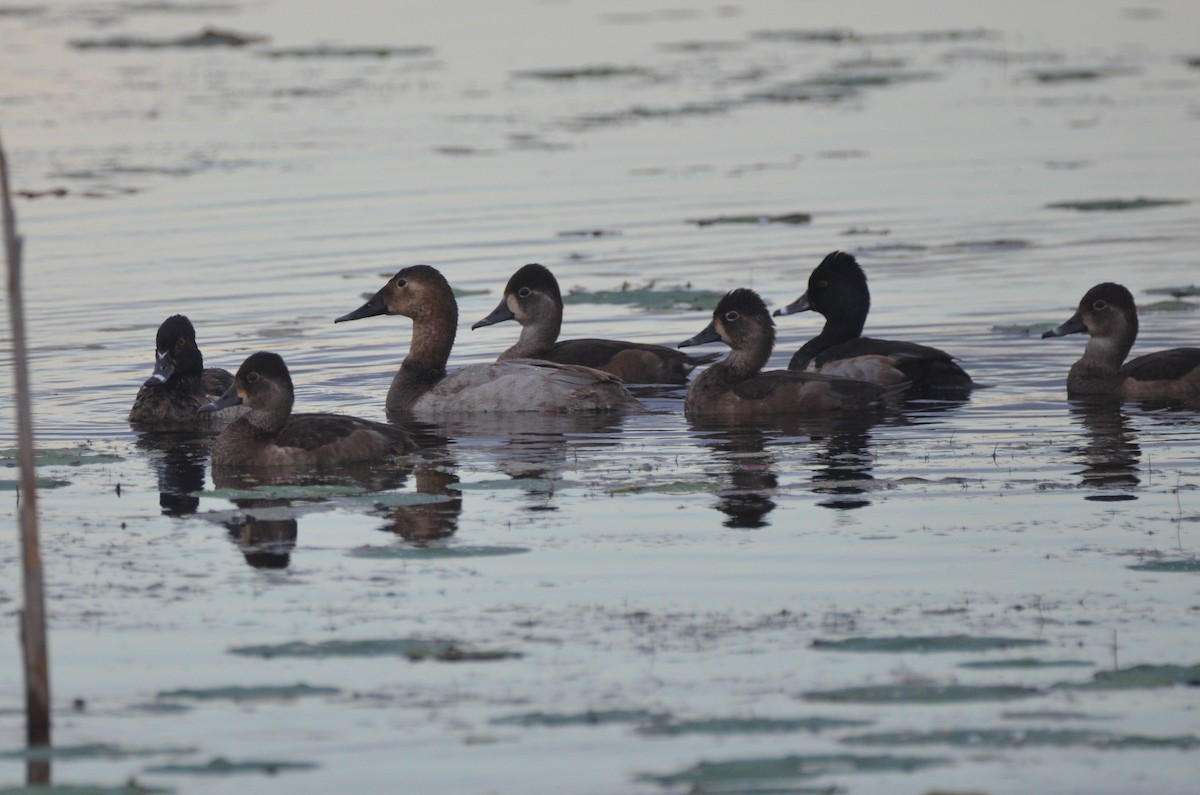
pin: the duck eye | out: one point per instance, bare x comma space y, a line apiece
251, 378
822, 284
401, 282
731, 316
524, 292
1100, 305
182, 343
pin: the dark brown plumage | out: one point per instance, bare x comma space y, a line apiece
180, 384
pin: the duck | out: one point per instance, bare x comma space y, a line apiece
1108, 314
423, 387
180, 383
837, 289
270, 436
736, 387
533, 299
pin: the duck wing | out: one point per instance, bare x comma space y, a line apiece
354, 439
1162, 365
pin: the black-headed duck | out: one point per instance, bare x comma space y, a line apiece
737, 387
270, 436
422, 385
180, 383
1108, 314
533, 299
837, 289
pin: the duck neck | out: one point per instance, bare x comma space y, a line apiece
743, 363
535, 341
1105, 355
425, 365
268, 422
836, 331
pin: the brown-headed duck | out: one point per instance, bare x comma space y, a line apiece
837, 289
180, 384
737, 387
1108, 314
270, 436
533, 299
423, 387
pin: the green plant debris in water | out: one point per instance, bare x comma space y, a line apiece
1115, 205
921, 694
60, 456
1025, 663
467, 293
1139, 676
671, 487
1047, 714
251, 693
327, 51
747, 726
753, 220
219, 766
130, 788
209, 37
395, 499
90, 751
435, 552
531, 484
750, 775
1176, 292
1025, 738
283, 491
926, 643
671, 298
411, 648
597, 72
1169, 306
1185, 566
589, 718
41, 483
1024, 329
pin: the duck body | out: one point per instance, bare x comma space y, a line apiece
837, 289
180, 384
1108, 314
532, 298
423, 387
269, 436
737, 387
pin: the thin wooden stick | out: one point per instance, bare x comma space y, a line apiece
33, 616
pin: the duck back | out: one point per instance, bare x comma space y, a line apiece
521, 385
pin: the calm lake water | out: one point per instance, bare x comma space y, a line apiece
997, 596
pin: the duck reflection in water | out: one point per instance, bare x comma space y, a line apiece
752, 485
842, 462
179, 461
1109, 451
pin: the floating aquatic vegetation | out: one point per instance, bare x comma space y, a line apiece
60, 456
219, 766
647, 297
591, 233
1025, 738
1139, 676
91, 751
251, 692
209, 37
21, 11
772, 774
284, 491
988, 246
1047, 714
753, 220
1181, 565
1169, 306
1115, 205
921, 694
414, 649
436, 552
816, 35
845, 36
671, 727
643, 112
42, 483
129, 788
535, 484
671, 487
588, 718
925, 644
595, 72
1068, 74
1024, 663
1176, 292
805, 91
701, 46
1024, 329
332, 51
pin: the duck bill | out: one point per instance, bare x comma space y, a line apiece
1073, 326
164, 368
376, 305
500, 314
229, 398
708, 335
801, 304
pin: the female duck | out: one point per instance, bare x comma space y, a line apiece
1107, 313
533, 299
736, 387
837, 289
270, 436
180, 383
422, 386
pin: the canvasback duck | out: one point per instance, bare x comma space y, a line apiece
270, 436
737, 387
533, 299
837, 289
1107, 313
423, 387
180, 384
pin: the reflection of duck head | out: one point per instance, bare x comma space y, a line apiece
843, 464
1109, 453
429, 521
179, 462
748, 496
